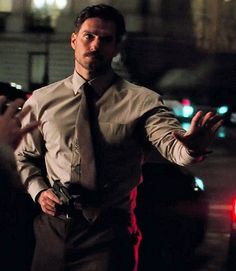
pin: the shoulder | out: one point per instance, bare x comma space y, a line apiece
44, 96
135, 89
52, 88
138, 93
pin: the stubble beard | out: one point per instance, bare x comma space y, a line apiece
96, 68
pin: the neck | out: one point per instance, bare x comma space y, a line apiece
90, 74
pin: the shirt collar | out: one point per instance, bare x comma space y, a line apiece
100, 83
77, 82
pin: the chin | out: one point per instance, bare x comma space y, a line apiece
97, 69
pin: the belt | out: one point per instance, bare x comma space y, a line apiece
77, 199
77, 194
75, 210
103, 217
85, 196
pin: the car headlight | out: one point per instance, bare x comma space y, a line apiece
222, 109
199, 184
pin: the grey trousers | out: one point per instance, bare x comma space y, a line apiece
74, 244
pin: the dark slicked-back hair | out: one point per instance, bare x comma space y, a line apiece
104, 12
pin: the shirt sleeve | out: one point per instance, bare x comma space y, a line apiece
30, 156
160, 123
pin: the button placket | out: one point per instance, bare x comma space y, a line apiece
75, 163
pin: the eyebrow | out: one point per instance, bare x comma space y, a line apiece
95, 34
103, 38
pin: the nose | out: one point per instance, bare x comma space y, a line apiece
95, 44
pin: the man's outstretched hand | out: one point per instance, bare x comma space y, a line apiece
11, 131
201, 133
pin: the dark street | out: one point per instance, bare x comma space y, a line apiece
168, 236
219, 173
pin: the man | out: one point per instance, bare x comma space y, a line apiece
16, 208
100, 233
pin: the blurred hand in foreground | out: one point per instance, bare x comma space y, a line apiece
11, 131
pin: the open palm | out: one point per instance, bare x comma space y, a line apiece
201, 132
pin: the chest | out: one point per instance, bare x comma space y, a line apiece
117, 120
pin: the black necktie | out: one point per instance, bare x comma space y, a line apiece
85, 125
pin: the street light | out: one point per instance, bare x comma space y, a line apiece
50, 4
48, 10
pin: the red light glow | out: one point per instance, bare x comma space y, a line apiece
186, 102
234, 210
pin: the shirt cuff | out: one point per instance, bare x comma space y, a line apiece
36, 187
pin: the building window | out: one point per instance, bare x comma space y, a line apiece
5, 6
44, 14
5, 10
38, 70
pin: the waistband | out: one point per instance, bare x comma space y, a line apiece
85, 196
105, 217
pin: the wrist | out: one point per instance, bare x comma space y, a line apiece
198, 153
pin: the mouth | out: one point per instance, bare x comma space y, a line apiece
93, 55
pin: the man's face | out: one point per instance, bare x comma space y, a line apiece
94, 45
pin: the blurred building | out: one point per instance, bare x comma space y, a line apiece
162, 35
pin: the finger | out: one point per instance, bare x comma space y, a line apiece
48, 211
210, 121
216, 126
216, 119
24, 112
50, 204
17, 120
206, 119
47, 195
196, 119
14, 107
47, 205
2, 104
2, 100
29, 127
53, 197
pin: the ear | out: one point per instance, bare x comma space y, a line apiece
73, 40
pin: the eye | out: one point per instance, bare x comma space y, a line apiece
106, 39
88, 36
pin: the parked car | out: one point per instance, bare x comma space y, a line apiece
12, 91
172, 210
185, 109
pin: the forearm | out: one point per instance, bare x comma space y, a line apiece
176, 152
30, 155
32, 175
160, 128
